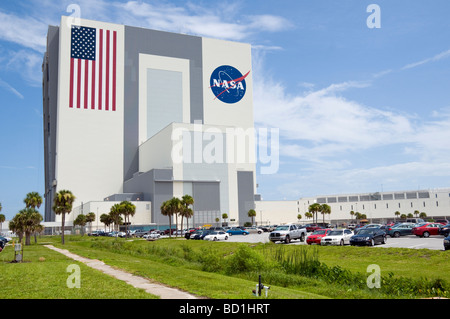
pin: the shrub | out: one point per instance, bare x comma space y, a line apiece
244, 259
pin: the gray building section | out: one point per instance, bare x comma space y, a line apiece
139, 40
156, 186
246, 195
50, 103
164, 99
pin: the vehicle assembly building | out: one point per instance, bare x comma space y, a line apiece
144, 115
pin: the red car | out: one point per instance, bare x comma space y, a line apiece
426, 229
312, 227
316, 236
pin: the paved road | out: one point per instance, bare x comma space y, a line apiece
413, 242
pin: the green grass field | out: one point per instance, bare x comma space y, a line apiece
224, 270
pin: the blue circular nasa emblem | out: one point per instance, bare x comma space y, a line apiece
228, 84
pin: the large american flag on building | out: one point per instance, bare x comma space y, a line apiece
93, 68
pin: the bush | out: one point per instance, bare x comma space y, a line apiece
244, 259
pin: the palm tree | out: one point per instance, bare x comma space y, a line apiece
251, 213
165, 211
186, 201
127, 209
16, 226
225, 217
38, 230
90, 217
105, 219
2, 218
299, 216
176, 207
115, 213
352, 213
169, 208
416, 213
33, 200
28, 218
325, 209
314, 209
423, 215
397, 213
81, 220
62, 205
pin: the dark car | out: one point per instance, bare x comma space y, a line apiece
400, 229
3, 242
445, 230
447, 243
200, 234
189, 232
368, 236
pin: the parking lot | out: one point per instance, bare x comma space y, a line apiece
409, 241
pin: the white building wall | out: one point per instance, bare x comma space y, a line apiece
276, 212
437, 205
141, 217
89, 147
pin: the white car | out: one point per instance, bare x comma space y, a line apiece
152, 235
337, 237
216, 235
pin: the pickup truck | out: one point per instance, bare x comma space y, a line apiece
287, 233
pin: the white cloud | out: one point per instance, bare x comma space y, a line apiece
25, 31
191, 19
435, 58
9, 88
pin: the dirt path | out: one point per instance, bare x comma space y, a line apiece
155, 289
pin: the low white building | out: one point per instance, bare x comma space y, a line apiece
379, 207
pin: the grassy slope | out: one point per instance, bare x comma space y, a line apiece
167, 268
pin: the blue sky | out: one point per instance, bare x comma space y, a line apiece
359, 109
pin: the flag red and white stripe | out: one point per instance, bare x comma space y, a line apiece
93, 81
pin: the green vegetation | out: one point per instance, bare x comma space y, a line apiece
43, 275
230, 270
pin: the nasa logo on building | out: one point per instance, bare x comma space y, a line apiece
228, 84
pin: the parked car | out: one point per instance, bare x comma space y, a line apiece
312, 227
445, 230
171, 231
152, 235
447, 243
216, 235
426, 229
368, 226
369, 236
415, 220
139, 233
351, 226
442, 221
3, 242
337, 237
287, 233
96, 233
316, 236
254, 230
199, 234
237, 231
400, 229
